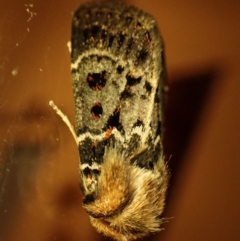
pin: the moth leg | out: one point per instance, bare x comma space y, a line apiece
65, 119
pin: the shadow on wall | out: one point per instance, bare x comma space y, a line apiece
188, 95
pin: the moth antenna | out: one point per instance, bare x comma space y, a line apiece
65, 119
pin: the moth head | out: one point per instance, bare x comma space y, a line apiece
108, 191
128, 200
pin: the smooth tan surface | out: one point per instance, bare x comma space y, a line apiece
39, 196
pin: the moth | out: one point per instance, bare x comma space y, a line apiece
118, 88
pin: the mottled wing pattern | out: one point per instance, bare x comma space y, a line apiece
117, 73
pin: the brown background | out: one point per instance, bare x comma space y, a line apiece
39, 195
